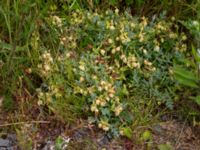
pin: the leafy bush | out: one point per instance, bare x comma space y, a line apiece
108, 65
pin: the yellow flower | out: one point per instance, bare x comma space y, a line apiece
48, 97
113, 51
183, 47
100, 125
94, 108
171, 71
94, 77
40, 94
117, 39
57, 21
102, 51
112, 28
81, 67
153, 69
107, 98
118, 110
117, 63
116, 11
111, 95
118, 49
123, 57
81, 79
184, 37
173, 18
144, 21
90, 89
111, 90
40, 102
136, 65
103, 103
98, 101
70, 38
46, 67
121, 132
104, 125
117, 99
102, 83
74, 44
133, 25
157, 48
141, 37
68, 55
106, 87
100, 88
39, 66
110, 41
29, 70
172, 35
148, 63
144, 51
105, 128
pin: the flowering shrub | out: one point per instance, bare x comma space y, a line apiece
104, 59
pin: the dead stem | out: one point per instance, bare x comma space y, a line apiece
28, 122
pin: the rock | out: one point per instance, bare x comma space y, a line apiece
104, 140
50, 145
158, 129
12, 138
4, 143
79, 134
8, 143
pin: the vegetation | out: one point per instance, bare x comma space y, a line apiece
119, 65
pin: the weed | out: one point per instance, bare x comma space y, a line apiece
115, 64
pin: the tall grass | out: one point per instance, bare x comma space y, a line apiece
25, 33
19, 47
181, 9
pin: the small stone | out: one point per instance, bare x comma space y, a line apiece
4, 143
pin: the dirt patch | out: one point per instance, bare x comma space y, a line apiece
179, 135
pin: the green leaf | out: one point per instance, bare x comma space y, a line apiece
127, 132
112, 2
185, 73
58, 143
129, 2
74, 5
146, 135
186, 82
197, 99
139, 2
165, 147
105, 111
196, 56
69, 71
124, 90
185, 77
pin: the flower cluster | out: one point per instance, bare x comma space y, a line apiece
104, 125
101, 89
56, 21
47, 62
